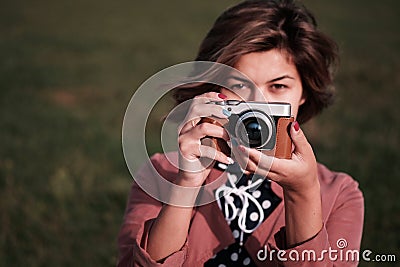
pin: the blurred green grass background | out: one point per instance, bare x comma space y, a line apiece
68, 70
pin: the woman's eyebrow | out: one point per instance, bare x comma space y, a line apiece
280, 78
240, 79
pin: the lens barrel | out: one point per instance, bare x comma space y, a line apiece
254, 129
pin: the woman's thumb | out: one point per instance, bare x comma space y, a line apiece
299, 139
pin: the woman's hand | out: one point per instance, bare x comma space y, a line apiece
195, 158
297, 175
195, 163
299, 180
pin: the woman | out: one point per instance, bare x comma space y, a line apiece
303, 213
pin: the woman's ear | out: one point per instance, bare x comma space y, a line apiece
302, 99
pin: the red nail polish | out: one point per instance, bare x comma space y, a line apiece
296, 126
222, 96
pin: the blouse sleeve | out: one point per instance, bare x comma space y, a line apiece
338, 242
140, 214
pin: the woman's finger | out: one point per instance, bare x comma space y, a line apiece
301, 146
264, 161
208, 130
204, 111
258, 162
213, 154
200, 108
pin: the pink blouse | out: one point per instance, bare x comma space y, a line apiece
337, 243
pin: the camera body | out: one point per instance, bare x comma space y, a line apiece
259, 125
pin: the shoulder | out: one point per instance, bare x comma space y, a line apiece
338, 187
164, 164
329, 178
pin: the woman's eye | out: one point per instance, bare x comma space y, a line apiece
278, 86
239, 86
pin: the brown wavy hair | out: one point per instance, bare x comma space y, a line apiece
262, 25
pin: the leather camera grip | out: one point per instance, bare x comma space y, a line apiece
283, 146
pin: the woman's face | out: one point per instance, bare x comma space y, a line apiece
276, 80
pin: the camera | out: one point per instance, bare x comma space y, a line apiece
259, 125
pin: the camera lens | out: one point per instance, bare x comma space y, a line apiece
255, 129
